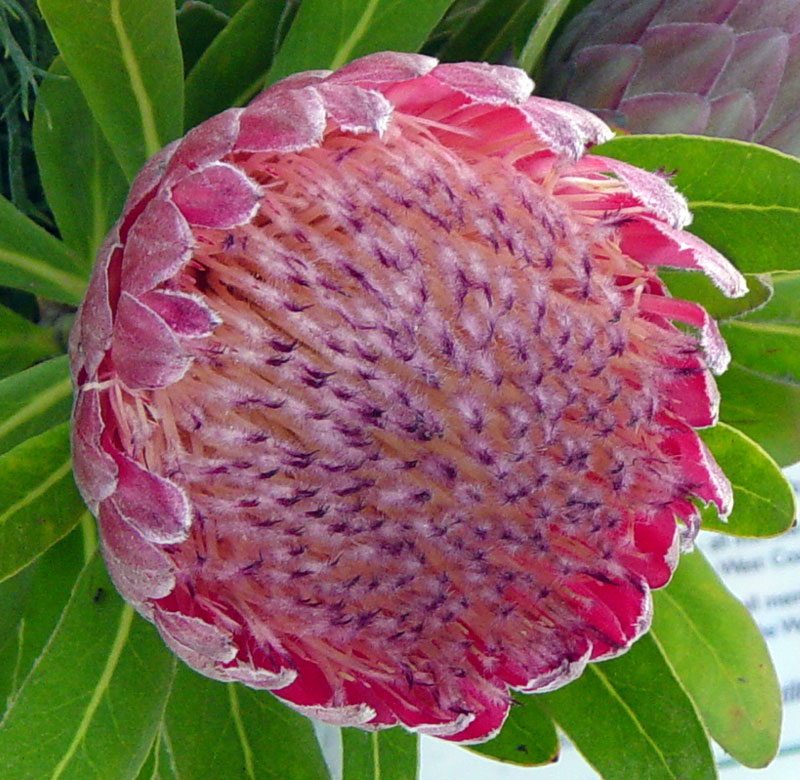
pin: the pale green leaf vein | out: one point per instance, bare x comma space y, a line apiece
376, 756
780, 380
123, 629
40, 489
173, 765
360, 28
151, 140
38, 403
15, 681
247, 750
771, 328
718, 204
68, 282
632, 715
728, 674
760, 499
88, 534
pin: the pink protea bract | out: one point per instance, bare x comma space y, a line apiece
379, 401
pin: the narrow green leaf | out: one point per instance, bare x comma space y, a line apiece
217, 730
329, 33
34, 401
512, 36
724, 664
39, 503
489, 27
745, 198
768, 340
763, 500
379, 755
699, 288
574, 7
233, 67
126, 58
631, 718
84, 185
23, 343
528, 737
50, 581
93, 701
541, 33
33, 260
198, 24
764, 409
773, 348
761, 390
784, 308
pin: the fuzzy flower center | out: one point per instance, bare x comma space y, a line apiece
417, 438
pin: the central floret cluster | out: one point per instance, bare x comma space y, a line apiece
379, 402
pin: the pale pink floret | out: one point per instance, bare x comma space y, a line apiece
379, 400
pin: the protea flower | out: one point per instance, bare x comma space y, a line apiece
379, 402
728, 68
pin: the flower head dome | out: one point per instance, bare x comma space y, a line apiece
379, 400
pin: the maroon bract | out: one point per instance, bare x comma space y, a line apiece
379, 402
728, 68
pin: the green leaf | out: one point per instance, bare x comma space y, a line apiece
198, 24
23, 343
126, 58
454, 20
769, 341
490, 29
541, 33
631, 718
745, 198
158, 765
34, 401
379, 755
233, 67
765, 353
724, 664
39, 503
784, 308
227, 7
50, 580
528, 737
84, 186
93, 701
761, 390
33, 260
329, 33
764, 409
13, 596
700, 289
217, 730
763, 500
151, 769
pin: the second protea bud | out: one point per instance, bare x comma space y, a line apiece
728, 68
379, 402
